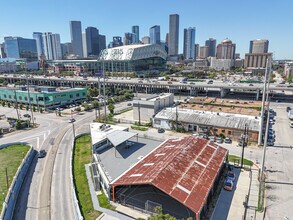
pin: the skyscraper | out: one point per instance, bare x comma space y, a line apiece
128, 38
76, 37
155, 35
66, 49
173, 34
92, 41
135, 31
117, 41
259, 46
226, 50
18, 47
211, 43
188, 43
2, 51
52, 46
102, 43
203, 52
84, 46
39, 41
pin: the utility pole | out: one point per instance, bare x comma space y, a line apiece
15, 104
138, 107
99, 84
244, 142
105, 106
29, 98
176, 118
260, 132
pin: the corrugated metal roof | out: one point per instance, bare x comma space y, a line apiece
183, 168
210, 118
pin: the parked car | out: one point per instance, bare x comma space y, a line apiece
219, 140
41, 153
212, 138
210, 82
231, 176
228, 185
288, 108
161, 130
241, 143
228, 140
26, 116
270, 143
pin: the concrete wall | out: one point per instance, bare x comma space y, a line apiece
11, 198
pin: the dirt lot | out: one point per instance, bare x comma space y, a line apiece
224, 105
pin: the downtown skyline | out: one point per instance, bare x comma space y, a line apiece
241, 27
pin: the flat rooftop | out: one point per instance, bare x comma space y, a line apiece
116, 162
98, 133
216, 119
151, 97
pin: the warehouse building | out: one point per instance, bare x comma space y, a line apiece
180, 176
209, 123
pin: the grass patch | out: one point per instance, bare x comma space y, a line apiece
83, 155
139, 128
104, 203
11, 158
232, 158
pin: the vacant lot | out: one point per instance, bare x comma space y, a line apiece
10, 158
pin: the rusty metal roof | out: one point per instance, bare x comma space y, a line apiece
183, 168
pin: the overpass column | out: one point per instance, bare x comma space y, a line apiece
257, 94
224, 92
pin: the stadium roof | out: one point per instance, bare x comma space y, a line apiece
224, 120
133, 52
183, 168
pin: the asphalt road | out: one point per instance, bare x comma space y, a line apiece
279, 168
46, 190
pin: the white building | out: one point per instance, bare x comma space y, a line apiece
288, 69
221, 64
52, 46
145, 106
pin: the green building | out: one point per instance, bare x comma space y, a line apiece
43, 96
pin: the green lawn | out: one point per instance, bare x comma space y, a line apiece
10, 158
233, 158
103, 200
83, 155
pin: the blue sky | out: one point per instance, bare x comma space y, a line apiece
241, 21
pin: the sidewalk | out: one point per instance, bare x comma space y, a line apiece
252, 203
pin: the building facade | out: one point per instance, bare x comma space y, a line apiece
76, 38
288, 69
173, 34
226, 50
221, 64
146, 106
52, 46
211, 43
155, 35
135, 31
18, 47
259, 46
203, 52
257, 60
38, 36
188, 44
43, 96
128, 38
92, 41
145, 40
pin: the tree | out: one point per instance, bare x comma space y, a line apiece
96, 105
161, 216
8, 104
111, 108
18, 125
290, 79
3, 103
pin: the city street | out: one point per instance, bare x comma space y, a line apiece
279, 168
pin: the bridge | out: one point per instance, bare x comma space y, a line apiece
155, 86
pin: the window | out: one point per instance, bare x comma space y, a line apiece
83, 93
77, 94
216, 130
31, 99
229, 132
223, 131
9, 96
5, 96
19, 97
25, 98
70, 96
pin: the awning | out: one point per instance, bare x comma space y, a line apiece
118, 137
